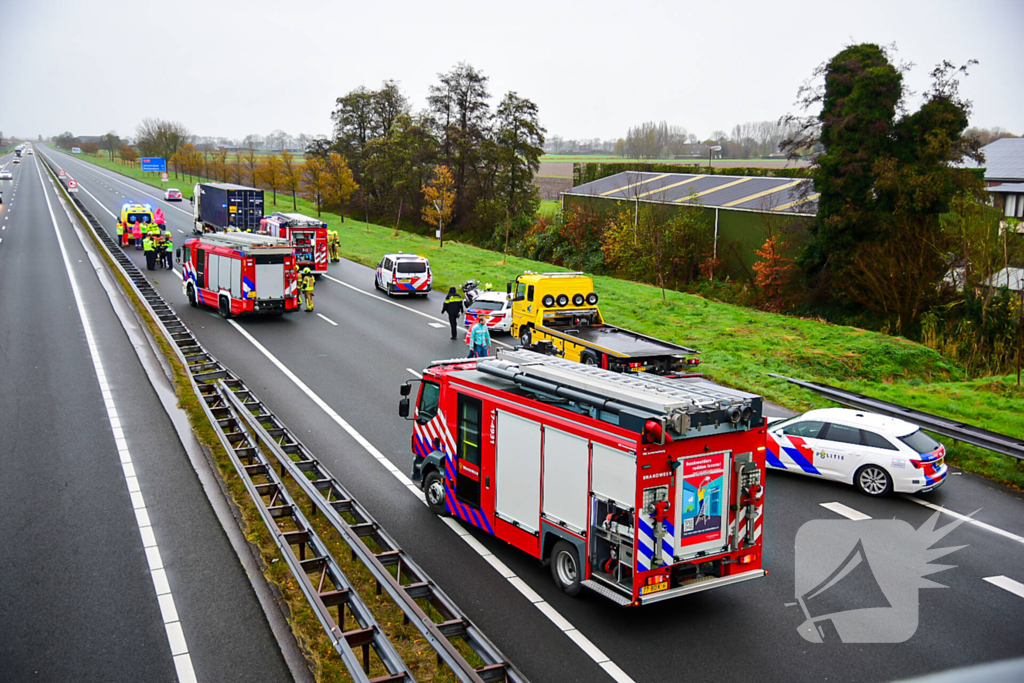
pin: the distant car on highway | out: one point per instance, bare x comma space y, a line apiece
172, 194
6, 175
875, 453
496, 305
15, 160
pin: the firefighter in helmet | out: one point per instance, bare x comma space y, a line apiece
334, 245
306, 284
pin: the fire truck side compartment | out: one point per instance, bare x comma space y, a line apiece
517, 469
566, 479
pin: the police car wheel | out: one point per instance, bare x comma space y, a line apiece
192, 297
433, 489
565, 568
873, 480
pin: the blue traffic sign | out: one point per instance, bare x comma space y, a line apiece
154, 164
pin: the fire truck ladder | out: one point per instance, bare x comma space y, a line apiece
269, 459
651, 392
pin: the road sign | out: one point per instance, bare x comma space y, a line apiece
163, 177
155, 164
61, 173
72, 185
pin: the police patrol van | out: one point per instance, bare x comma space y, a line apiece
403, 274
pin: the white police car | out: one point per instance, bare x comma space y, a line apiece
497, 306
403, 274
875, 453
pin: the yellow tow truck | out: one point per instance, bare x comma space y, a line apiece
558, 313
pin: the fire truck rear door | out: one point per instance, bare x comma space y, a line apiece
468, 446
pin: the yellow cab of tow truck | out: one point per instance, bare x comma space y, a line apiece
552, 300
131, 212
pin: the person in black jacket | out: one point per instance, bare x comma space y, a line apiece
453, 307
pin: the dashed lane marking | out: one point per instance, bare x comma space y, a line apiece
165, 598
845, 511
327, 319
965, 518
438, 325
1007, 584
545, 608
418, 375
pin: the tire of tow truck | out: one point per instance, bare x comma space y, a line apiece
565, 568
192, 301
525, 338
873, 481
589, 358
433, 490
224, 306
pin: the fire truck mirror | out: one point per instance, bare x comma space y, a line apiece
403, 408
177, 253
405, 389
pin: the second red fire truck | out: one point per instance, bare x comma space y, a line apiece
308, 235
638, 487
240, 273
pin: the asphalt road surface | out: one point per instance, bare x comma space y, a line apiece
354, 351
113, 564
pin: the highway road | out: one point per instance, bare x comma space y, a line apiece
351, 355
114, 564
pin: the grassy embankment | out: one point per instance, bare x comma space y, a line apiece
741, 346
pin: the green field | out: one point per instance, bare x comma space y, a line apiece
740, 346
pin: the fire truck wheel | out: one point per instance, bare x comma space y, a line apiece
224, 307
524, 337
873, 480
565, 568
192, 297
433, 488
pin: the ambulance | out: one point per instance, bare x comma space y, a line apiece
403, 274
640, 488
240, 273
307, 235
131, 212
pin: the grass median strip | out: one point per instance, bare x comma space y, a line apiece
740, 346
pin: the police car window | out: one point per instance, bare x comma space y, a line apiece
427, 408
842, 434
875, 440
487, 305
808, 430
387, 264
412, 267
920, 442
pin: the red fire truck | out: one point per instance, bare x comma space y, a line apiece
240, 273
639, 487
308, 236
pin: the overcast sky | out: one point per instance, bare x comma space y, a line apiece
234, 67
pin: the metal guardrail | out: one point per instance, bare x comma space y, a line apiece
257, 442
976, 436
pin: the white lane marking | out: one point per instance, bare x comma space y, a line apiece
182, 232
418, 375
545, 608
845, 511
175, 636
327, 319
965, 518
438, 325
1007, 584
443, 323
